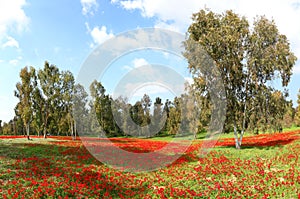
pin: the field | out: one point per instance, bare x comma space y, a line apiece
267, 167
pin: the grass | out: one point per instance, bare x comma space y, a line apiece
58, 167
203, 135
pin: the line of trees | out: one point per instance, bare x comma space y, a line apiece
51, 103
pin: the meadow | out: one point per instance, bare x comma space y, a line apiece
267, 166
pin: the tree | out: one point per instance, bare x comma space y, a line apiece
38, 110
174, 116
196, 111
122, 115
102, 106
7, 128
247, 59
1, 127
166, 110
137, 115
24, 92
297, 114
49, 79
158, 118
146, 104
289, 114
67, 92
79, 110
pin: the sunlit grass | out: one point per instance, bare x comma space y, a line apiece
60, 167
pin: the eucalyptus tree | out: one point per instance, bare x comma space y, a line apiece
159, 117
38, 110
24, 92
122, 115
247, 59
289, 114
175, 116
50, 84
146, 120
166, 110
66, 94
102, 104
80, 110
137, 115
197, 110
297, 113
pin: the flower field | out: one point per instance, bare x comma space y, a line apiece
267, 167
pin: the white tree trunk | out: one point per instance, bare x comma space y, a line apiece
27, 130
236, 137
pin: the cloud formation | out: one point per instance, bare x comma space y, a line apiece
12, 18
89, 7
11, 42
137, 62
176, 15
99, 35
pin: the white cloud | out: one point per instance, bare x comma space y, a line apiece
131, 5
114, 1
89, 7
12, 17
137, 62
99, 35
16, 61
176, 15
11, 42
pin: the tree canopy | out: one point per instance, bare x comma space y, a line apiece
248, 58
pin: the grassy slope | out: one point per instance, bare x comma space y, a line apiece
253, 171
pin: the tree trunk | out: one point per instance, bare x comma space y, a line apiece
236, 137
45, 130
243, 125
45, 133
75, 129
45, 125
72, 129
27, 131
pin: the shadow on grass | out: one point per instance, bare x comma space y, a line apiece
261, 144
167, 137
44, 161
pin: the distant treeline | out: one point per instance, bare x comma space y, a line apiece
51, 103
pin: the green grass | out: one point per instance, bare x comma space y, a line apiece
71, 162
203, 135
293, 128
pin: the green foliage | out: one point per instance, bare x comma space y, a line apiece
24, 92
297, 114
248, 60
45, 101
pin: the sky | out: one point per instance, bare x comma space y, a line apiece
65, 32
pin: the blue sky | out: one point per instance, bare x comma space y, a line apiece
65, 32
